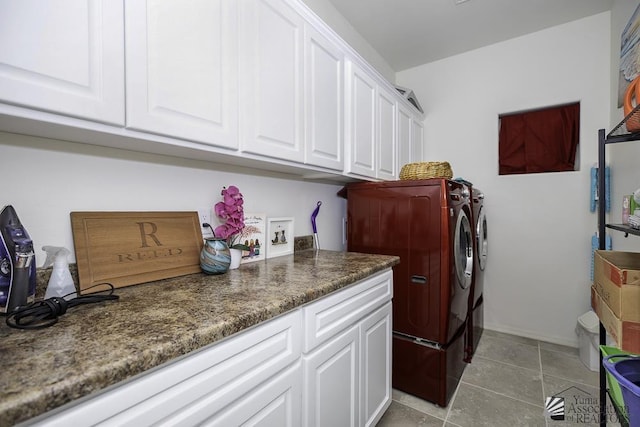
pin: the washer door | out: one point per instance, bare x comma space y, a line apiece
481, 239
463, 250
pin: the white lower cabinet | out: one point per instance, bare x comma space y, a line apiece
275, 403
211, 383
347, 355
331, 379
375, 365
325, 364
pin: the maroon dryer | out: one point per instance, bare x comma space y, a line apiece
475, 323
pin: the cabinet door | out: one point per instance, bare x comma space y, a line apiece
375, 366
417, 141
405, 129
331, 382
181, 69
64, 57
386, 137
324, 98
361, 121
271, 85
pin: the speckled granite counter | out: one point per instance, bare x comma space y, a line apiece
97, 345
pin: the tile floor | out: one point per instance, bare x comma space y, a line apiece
506, 385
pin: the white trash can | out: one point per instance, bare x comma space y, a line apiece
589, 340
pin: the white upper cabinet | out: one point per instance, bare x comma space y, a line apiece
65, 57
386, 136
255, 83
405, 129
360, 101
271, 79
410, 137
324, 100
182, 69
417, 141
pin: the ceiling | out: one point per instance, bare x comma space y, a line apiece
407, 33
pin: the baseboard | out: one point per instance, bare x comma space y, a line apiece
529, 334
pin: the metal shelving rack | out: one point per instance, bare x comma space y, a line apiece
618, 134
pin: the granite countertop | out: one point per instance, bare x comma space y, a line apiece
96, 345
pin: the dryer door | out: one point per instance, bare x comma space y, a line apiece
463, 250
481, 239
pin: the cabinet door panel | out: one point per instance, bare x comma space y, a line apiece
361, 113
324, 97
181, 69
386, 136
405, 128
375, 377
277, 402
271, 79
64, 57
417, 142
331, 382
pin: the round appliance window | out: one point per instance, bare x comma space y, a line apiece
482, 242
463, 250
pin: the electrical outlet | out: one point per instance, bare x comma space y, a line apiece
204, 216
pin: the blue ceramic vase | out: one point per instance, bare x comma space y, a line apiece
215, 256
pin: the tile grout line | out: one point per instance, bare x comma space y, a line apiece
453, 399
503, 395
546, 421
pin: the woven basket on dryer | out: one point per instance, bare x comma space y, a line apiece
426, 170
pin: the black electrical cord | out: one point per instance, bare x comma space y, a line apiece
41, 314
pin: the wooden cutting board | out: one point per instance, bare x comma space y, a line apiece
127, 248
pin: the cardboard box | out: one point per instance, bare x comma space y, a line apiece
617, 281
624, 332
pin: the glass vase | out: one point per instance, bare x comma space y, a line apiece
215, 256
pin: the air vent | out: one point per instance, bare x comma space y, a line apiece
410, 96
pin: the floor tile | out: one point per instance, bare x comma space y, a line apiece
509, 337
581, 403
513, 352
419, 404
496, 391
399, 415
476, 407
567, 366
559, 348
512, 381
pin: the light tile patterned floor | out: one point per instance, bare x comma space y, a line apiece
506, 385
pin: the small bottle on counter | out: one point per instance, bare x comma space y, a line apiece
60, 283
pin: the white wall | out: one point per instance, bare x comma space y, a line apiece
624, 158
46, 179
538, 275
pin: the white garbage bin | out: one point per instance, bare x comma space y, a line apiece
589, 340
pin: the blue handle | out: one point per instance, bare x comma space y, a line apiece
313, 217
